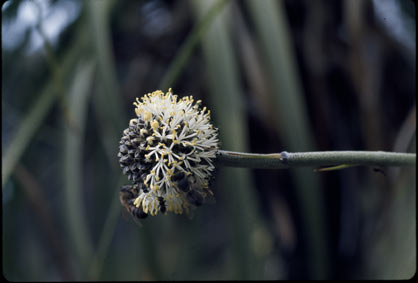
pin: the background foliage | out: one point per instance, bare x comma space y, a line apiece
278, 75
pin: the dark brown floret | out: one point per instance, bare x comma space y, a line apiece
132, 153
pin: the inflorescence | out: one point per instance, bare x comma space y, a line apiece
167, 152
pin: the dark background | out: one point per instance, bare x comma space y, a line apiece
277, 75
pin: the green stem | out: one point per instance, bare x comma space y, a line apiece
285, 160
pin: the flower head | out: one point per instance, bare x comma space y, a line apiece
168, 152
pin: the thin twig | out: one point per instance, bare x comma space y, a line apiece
286, 160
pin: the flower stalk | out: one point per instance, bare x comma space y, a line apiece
286, 160
169, 150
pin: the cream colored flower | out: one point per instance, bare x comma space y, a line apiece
169, 150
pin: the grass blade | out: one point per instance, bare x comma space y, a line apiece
33, 120
73, 163
186, 50
228, 113
272, 29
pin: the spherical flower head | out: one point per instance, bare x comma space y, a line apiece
168, 152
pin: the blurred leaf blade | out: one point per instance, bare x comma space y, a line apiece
102, 44
33, 120
278, 54
227, 106
292, 120
108, 109
112, 119
186, 50
108, 101
96, 266
25, 132
73, 163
